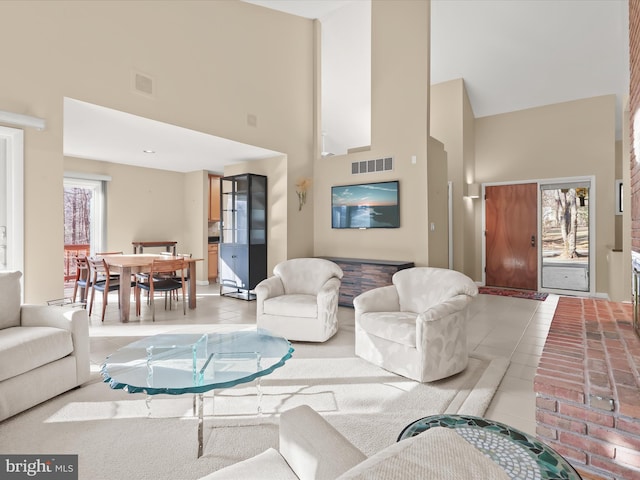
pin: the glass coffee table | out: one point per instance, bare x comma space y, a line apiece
177, 364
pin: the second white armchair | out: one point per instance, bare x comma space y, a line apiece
416, 327
300, 301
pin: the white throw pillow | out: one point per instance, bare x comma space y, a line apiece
437, 454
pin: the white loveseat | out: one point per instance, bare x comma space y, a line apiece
311, 449
44, 350
416, 327
300, 301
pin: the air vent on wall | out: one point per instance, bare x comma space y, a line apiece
372, 166
143, 83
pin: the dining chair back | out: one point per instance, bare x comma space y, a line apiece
187, 271
82, 280
165, 276
102, 281
186, 257
144, 277
102, 254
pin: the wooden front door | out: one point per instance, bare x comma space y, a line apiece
511, 236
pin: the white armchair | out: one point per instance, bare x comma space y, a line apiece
44, 350
300, 302
416, 327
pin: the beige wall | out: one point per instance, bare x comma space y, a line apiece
556, 141
213, 63
400, 110
145, 204
472, 231
438, 205
618, 176
150, 204
216, 62
526, 145
452, 122
195, 214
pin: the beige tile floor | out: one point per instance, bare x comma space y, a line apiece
514, 328
517, 329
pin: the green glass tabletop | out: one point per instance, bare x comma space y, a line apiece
195, 363
520, 455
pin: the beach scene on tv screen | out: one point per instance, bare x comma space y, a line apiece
372, 205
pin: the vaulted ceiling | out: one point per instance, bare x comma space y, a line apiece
512, 55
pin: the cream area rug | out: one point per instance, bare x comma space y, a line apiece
118, 436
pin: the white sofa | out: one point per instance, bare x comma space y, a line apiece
44, 350
311, 449
416, 327
300, 301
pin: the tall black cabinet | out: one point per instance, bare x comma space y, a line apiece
243, 234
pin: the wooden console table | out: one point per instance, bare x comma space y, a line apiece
361, 275
138, 247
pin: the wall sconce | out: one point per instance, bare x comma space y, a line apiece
302, 185
473, 190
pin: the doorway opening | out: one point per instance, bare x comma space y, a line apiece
540, 235
566, 238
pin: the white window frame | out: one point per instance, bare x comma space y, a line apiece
12, 144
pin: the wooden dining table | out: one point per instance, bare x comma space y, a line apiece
126, 265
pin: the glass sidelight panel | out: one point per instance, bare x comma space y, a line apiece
565, 236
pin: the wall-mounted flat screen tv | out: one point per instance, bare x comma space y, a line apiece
366, 205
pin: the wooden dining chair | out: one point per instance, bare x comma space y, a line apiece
176, 277
164, 275
187, 274
82, 280
144, 277
103, 281
102, 254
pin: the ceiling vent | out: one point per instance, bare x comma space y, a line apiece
143, 84
372, 166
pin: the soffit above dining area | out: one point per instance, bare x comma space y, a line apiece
95, 132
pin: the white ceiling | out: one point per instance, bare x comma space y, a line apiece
526, 53
100, 133
512, 55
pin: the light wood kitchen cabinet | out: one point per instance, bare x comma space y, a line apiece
213, 261
214, 198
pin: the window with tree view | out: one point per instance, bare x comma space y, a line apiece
82, 220
77, 216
